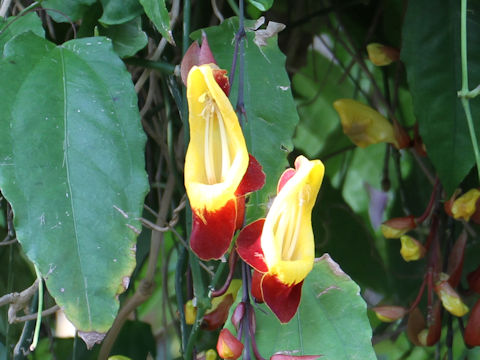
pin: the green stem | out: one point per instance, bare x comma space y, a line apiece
39, 310
464, 93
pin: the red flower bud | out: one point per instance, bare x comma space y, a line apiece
389, 313
472, 331
474, 280
238, 314
216, 318
294, 357
417, 330
382, 55
228, 347
455, 260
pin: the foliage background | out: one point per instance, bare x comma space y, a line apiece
289, 91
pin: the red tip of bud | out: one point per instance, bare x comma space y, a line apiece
228, 347
215, 319
401, 136
418, 144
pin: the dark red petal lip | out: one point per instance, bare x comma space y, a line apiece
210, 239
249, 246
282, 299
254, 178
256, 289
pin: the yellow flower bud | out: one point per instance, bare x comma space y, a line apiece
464, 207
210, 354
396, 227
451, 301
190, 313
411, 249
362, 124
389, 313
381, 55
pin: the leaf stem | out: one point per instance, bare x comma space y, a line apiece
464, 93
39, 310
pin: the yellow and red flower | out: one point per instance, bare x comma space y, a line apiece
219, 172
281, 247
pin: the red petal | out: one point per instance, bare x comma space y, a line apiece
287, 175
228, 347
240, 212
205, 55
256, 289
212, 232
249, 247
221, 78
254, 178
281, 298
293, 357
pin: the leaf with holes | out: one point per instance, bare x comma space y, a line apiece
72, 167
331, 320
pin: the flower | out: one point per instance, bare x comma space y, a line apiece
218, 168
228, 347
364, 125
411, 249
382, 55
281, 247
216, 316
464, 207
396, 227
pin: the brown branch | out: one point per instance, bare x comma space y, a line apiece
29, 317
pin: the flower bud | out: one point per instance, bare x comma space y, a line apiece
464, 207
294, 357
451, 301
389, 313
396, 227
417, 330
362, 124
216, 318
472, 331
474, 280
190, 313
402, 139
210, 354
455, 260
196, 55
228, 347
238, 314
382, 55
411, 249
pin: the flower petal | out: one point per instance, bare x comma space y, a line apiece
282, 299
212, 232
254, 178
249, 246
256, 289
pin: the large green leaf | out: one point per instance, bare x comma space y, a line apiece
16, 25
157, 12
429, 34
128, 38
270, 109
71, 165
118, 12
66, 10
331, 319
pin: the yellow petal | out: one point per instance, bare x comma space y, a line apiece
287, 238
381, 55
450, 299
217, 156
362, 124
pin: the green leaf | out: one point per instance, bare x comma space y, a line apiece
157, 12
331, 319
271, 112
128, 38
15, 25
66, 10
72, 167
434, 80
262, 5
119, 12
